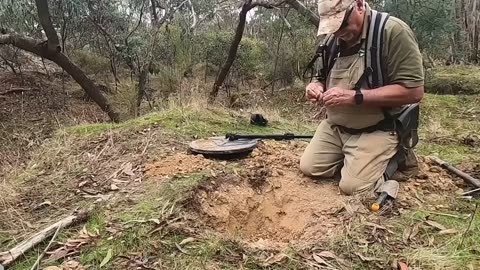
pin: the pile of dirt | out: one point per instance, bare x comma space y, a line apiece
177, 164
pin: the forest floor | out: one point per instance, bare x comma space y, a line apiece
154, 206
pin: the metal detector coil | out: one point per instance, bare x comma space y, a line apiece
222, 146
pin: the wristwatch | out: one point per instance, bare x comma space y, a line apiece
358, 97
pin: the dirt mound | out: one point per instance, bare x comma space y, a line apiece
177, 164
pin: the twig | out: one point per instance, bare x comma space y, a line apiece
470, 192
146, 145
469, 226
447, 215
37, 262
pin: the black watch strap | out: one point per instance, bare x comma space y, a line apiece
358, 96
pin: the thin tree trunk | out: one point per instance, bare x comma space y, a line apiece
277, 53
154, 12
46, 22
233, 50
142, 83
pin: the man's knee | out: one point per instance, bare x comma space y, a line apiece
306, 165
347, 186
311, 168
351, 185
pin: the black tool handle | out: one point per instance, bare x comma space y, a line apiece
286, 136
382, 198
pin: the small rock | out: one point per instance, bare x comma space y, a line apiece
81, 184
276, 185
113, 187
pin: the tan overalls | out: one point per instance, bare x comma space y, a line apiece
364, 156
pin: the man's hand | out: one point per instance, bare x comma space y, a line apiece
314, 91
338, 96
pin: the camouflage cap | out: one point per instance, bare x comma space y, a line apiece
331, 14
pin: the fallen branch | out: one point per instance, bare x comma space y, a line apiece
474, 181
10, 256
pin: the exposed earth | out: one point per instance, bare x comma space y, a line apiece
267, 202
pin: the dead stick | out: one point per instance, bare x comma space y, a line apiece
464, 176
470, 192
37, 262
10, 256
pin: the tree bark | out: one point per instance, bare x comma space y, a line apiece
40, 48
154, 19
142, 83
46, 22
277, 54
233, 50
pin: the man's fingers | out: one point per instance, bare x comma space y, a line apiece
329, 103
328, 97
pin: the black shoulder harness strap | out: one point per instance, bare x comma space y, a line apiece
327, 52
375, 48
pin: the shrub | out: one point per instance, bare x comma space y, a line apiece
90, 62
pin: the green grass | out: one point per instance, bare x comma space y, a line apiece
191, 122
453, 80
460, 250
445, 121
